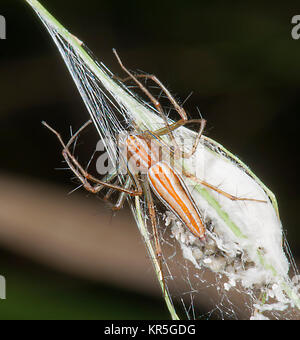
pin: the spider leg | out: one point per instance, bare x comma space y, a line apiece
83, 175
153, 220
224, 193
154, 101
168, 127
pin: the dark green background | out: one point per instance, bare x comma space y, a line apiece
238, 58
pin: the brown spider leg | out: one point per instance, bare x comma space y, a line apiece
108, 179
224, 193
122, 196
160, 132
170, 127
176, 125
178, 108
153, 220
199, 134
75, 135
108, 194
84, 176
155, 102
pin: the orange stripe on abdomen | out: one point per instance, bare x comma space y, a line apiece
141, 153
169, 187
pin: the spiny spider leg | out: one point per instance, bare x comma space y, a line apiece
168, 127
83, 175
224, 193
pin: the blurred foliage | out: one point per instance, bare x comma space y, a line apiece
239, 60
